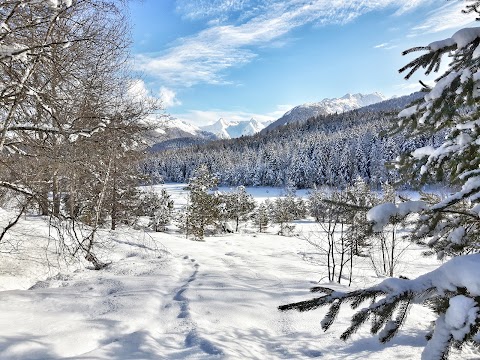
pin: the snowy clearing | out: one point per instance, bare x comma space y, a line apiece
167, 297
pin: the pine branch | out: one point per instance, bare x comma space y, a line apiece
429, 61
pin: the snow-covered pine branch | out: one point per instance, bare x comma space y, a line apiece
457, 283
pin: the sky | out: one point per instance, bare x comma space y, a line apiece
239, 59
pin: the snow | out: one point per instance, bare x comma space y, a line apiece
380, 215
167, 297
224, 129
423, 151
461, 39
408, 111
462, 312
171, 123
440, 86
459, 272
456, 236
456, 322
328, 106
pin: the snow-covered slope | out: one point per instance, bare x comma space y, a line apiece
167, 297
174, 133
224, 129
218, 128
327, 106
172, 128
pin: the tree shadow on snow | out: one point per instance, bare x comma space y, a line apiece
371, 344
25, 346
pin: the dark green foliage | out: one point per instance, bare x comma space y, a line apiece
261, 216
203, 207
286, 209
237, 205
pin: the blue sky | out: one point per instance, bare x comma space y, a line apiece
239, 59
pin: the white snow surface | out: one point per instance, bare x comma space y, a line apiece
176, 124
166, 297
461, 313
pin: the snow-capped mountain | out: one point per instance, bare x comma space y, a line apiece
175, 128
327, 106
224, 129
171, 133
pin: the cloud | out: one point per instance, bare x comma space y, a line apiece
446, 17
385, 46
137, 90
237, 27
169, 97
198, 9
206, 117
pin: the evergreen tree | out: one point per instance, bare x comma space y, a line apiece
159, 209
451, 224
238, 205
203, 207
261, 216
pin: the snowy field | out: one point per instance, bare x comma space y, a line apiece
166, 297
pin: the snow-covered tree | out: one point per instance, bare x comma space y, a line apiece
203, 206
261, 216
286, 209
450, 225
238, 205
158, 207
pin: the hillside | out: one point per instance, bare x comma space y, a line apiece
325, 150
346, 103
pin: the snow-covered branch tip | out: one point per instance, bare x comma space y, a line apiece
382, 214
431, 61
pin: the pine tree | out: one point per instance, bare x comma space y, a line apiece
159, 209
203, 207
261, 216
451, 224
238, 205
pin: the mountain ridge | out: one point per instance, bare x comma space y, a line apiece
348, 102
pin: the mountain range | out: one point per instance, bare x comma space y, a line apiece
225, 129
175, 133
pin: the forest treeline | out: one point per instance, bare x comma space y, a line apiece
325, 150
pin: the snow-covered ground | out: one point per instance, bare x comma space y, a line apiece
167, 297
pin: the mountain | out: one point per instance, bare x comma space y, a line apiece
224, 129
173, 133
325, 107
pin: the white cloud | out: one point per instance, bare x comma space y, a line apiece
446, 17
385, 46
205, 57
138, 90
197, 9
379, 46
206, 117
169, 97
